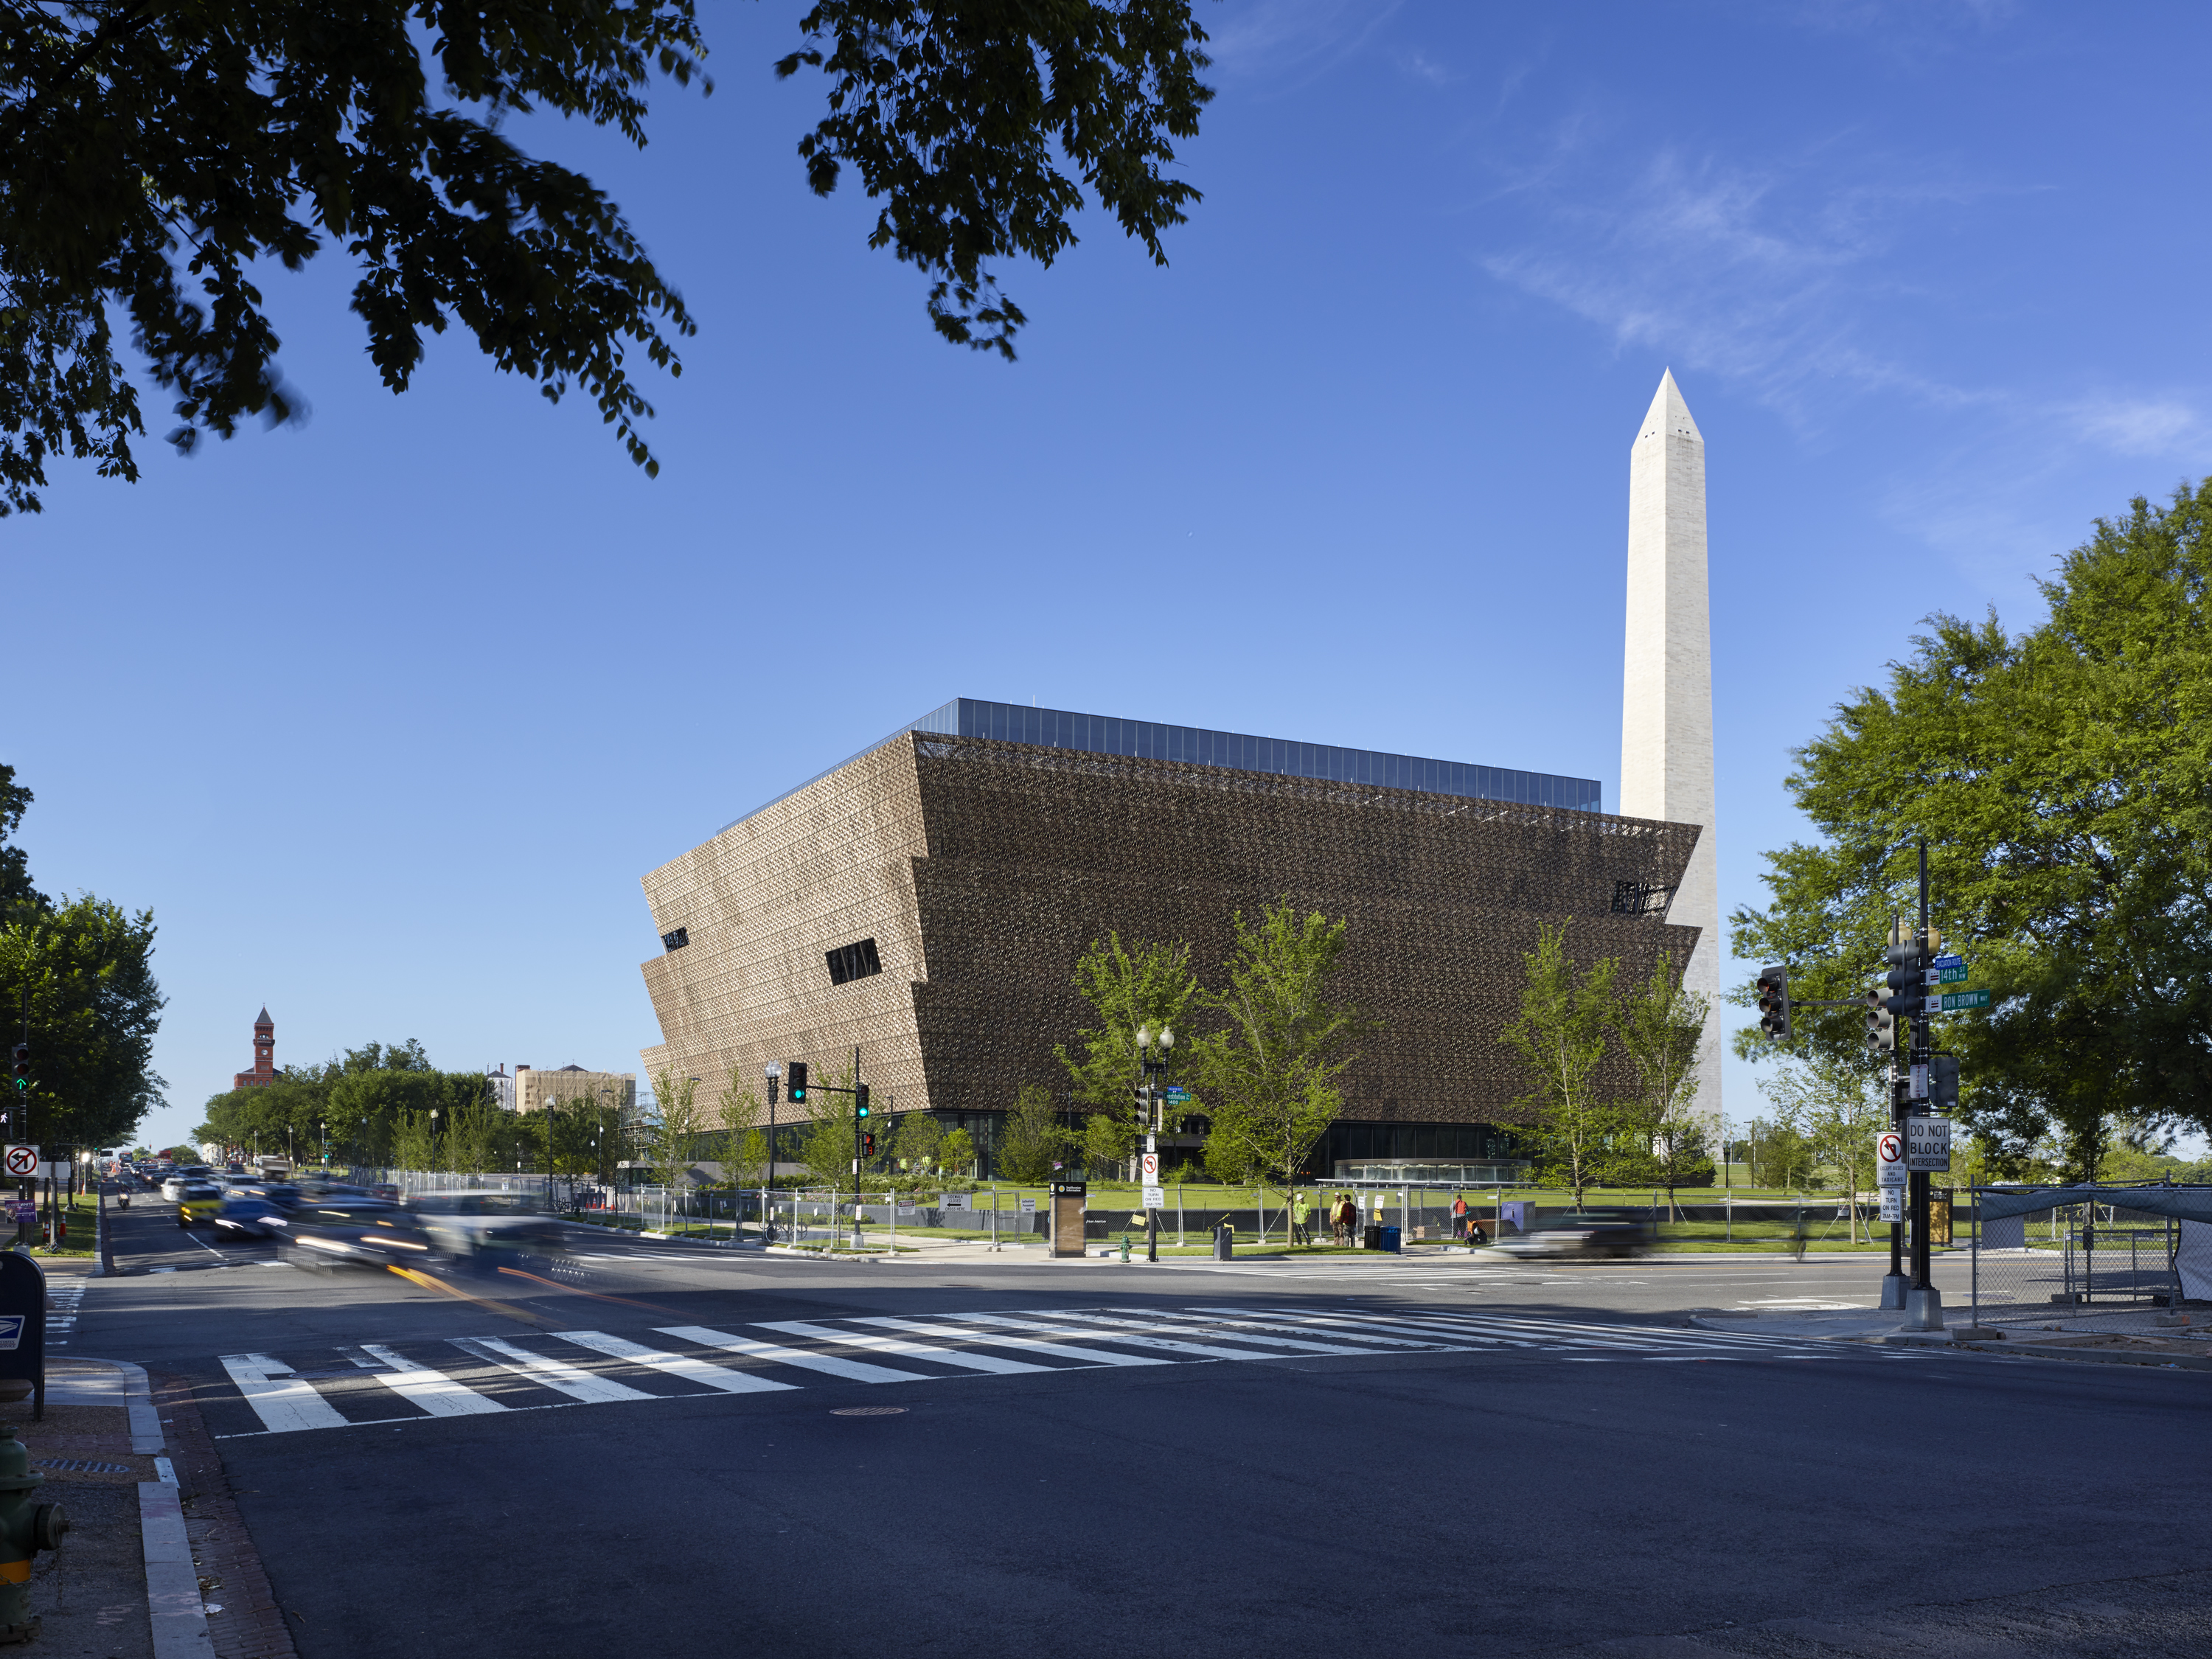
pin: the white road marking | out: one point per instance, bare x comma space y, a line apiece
853, 1371
972, 1361
676, 1365
433, 1391
592, 1389
284, 1402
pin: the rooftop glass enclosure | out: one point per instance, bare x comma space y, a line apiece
1104, 734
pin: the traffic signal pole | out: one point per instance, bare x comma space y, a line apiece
1924, 1306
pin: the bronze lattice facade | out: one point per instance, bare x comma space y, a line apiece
928, 901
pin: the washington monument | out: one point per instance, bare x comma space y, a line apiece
1667, 685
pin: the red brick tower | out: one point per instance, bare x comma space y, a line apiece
264, 1050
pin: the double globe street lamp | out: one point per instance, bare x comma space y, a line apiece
1153, 1051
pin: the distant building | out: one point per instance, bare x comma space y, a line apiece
535, 1090
503, 1088
264, 1056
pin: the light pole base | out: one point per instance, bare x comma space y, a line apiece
1893, 1289
1923, 1310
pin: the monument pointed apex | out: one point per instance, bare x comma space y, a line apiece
1669, 413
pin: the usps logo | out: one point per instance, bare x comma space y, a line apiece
11, 1331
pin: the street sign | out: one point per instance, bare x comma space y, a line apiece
1892, 1204
1149, 1167
1029, 1207
1953, 999
23, 1162
1948, 962
1953, 975
1155, 1198
1176, 1091
953, 1201
1928, 1145
1889, 1160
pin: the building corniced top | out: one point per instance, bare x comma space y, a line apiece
1104, 734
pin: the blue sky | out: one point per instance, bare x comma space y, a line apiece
384, 715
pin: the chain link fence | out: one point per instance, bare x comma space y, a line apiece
2105, 1257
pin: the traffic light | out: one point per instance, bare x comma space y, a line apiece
1943, 1082
867, 1143
860, 1100
1882, 1025
22, 1068
1774, 1002
796, 1072
1908, 978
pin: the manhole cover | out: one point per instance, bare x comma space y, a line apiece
84, 1466
867, 1411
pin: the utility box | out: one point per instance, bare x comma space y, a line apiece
23, 1327
1067, 1206
1938, 1215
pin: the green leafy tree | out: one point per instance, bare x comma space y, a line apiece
2062, 779
737, 1112
15, 889
1034, 1143
1659, 1026
919, 1139
1146, 986
86, 967
155, 158
1109, 1138
1269, 1078
1836, 1107
414, 1141
678, 1121
956, 1154
1582, 1138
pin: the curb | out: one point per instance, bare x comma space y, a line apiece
174, 1609
2185, 1362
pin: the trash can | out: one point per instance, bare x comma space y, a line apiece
1389, 1241
1225, 1241
1371, 1236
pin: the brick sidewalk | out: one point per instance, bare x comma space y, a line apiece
251, 1625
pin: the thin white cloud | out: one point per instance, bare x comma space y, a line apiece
1291, 42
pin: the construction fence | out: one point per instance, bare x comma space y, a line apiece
2116, 1255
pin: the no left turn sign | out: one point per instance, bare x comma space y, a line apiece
23, 1162
1889, 1158
1151, 1169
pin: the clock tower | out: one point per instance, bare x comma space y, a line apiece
264, 1056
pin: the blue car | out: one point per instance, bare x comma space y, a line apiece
251, 1218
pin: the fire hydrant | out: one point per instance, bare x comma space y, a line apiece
25, 1529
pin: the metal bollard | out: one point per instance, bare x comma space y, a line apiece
25, 1529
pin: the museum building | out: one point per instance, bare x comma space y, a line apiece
927, 902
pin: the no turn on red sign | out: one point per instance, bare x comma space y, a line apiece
1889, 1158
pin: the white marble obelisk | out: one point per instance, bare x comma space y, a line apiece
1667, 685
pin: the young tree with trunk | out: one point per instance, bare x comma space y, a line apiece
1659, 1026
1560, 1035
679, 1120
1836, 1106
1034, 1143
1269, 1078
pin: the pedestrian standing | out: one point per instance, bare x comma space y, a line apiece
1459, 1215
1299, 1212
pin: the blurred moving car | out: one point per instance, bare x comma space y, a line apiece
173, 1188
280, 1193
1600, 1235
251, 1218
352, 1232
471, 1224
201, 1201
387, 1190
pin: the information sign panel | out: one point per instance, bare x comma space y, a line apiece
953, 1201
1155, 1198
1029, 1207
1889, 1161
1892, 1204
1928, 1145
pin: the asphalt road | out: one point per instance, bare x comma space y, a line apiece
641, 1452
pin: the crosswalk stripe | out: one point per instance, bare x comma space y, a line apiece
1130, 1334
282, 1402
1307, 1322
972, 1361
586, 1386
853, 1371
1294, 1344
1663, 1335
724, 1377
433, 1391
1531, 1334
1030, 1344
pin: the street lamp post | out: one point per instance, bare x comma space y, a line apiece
434, 1140
768, 1172
1152, 1054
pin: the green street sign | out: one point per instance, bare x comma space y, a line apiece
1951, 976
1953, 1000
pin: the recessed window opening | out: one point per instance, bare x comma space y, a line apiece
854, 961
676, 940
